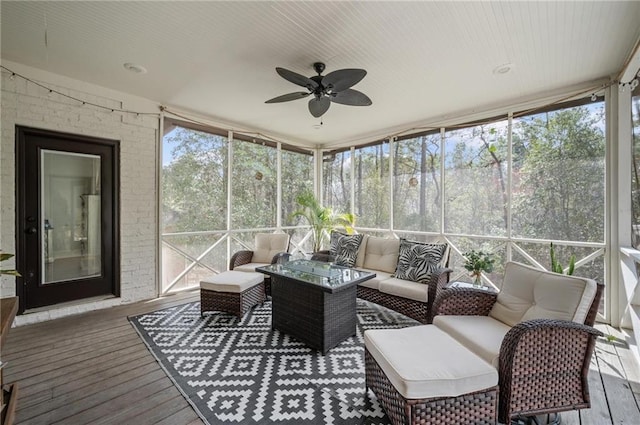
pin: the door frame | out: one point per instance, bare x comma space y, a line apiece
22, 132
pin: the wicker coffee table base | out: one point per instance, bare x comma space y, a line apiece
320, 319
473, 408
237, 303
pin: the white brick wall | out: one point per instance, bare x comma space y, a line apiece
26, 104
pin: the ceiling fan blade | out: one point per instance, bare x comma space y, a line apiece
318, 106
289, 96
342, 79
351, 97
296, 78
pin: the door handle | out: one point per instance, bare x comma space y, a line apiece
31, 230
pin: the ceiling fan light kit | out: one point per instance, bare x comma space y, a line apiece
333, 87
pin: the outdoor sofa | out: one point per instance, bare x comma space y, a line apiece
411, 297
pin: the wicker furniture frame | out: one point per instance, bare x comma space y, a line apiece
534, 379
418, 310
244, 257
237, 303
474, 408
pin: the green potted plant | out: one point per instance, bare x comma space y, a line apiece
321, 219
477, 262
556, 267
4, 257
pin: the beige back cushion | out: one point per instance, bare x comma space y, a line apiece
362, 251
267, 245
529, 293
381, 254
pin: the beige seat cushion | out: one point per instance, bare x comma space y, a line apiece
481, 334
529, 293
267, 245
231, 281
405, 288
381, 254
424, 362
375, 282
249, 267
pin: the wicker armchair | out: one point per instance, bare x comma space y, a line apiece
269, 248
543, 363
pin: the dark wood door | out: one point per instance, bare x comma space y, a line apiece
66, 217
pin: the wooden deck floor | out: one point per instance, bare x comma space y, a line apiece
93, 368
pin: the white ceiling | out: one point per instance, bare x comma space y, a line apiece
424, 59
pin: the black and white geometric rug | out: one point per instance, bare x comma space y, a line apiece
242, 372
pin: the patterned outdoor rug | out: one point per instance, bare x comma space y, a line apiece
242, 372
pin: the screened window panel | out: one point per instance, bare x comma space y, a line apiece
476, 182
559, 174
194, 181
417, 186
297, 176
372, 186
254, 185
336, 171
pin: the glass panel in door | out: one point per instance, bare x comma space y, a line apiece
71, 217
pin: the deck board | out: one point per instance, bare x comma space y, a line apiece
622, 405
93, 368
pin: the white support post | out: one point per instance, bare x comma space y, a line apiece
392, 143
229, 188
352, 169
159, 268
318, 175
443, 195
620, 156
509, 182
279, 187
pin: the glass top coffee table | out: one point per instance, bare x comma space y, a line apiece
313, 301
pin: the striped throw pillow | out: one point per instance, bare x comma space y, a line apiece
347, 250
417, 261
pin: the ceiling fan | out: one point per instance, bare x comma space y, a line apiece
333, 87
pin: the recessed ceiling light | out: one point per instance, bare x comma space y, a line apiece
503, 69
133, 67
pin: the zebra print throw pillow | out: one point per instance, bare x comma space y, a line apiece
417, 260
347, 250
333, 242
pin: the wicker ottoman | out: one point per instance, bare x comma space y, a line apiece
232, 292
421, 375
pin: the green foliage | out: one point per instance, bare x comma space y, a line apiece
4, 256
194, 184
611, 338
476, 179
416, 203
560, 194
321, 219
477, 262
556, 267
